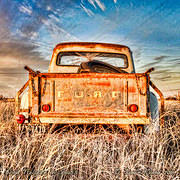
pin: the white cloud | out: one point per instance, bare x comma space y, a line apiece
92, 2
57, 33
99, 3
51, 16
48, 8
25, 9
88, 11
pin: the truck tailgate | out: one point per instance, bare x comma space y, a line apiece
91, 94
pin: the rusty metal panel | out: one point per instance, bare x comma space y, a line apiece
94, 94
89, 95
90, 47
35, 85
92, 120
142, 91
137, 93
46, 91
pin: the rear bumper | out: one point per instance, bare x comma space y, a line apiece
66, 120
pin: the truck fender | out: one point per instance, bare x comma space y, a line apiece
154, 126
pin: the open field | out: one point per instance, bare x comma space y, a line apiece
103, 155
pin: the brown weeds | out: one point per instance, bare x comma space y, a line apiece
32, 154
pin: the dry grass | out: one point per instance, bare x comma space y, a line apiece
71, 155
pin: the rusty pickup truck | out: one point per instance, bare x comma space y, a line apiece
89, 83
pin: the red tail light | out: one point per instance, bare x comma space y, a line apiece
133, 108
46, 107
20, 119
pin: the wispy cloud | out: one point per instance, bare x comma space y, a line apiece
98, 3
88, 11
160, 58
25, 9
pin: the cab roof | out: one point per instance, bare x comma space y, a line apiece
89, 45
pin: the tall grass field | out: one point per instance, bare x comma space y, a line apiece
72, 154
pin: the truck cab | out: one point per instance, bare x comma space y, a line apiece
67, 57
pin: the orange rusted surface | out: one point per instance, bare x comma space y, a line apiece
90, 75
96, 115
90, 45
7, 99
98, 83
103, 95
92, 120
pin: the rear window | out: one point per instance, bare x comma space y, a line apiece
76, 58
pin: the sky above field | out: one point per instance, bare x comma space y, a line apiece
30, 29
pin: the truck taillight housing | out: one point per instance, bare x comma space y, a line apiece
46, 107
20, 119
133, 108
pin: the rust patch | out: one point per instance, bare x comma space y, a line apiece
90, 108
132, 89
90, 45
95, 115
97, 83
66, 99
91, 75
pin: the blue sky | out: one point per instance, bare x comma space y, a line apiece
30, 29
